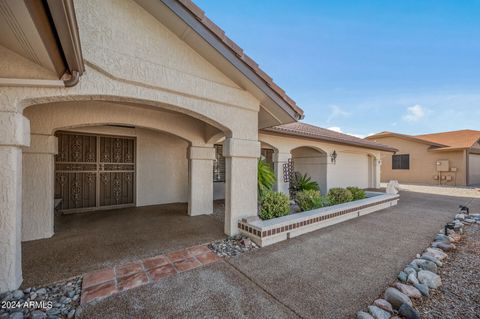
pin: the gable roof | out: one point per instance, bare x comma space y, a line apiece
460, 139
181, 7
322, 134
443, 141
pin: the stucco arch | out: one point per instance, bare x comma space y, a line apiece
48, 118
312, 161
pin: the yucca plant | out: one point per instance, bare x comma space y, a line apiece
266, 178
300, 183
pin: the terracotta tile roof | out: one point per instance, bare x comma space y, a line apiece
403, 136
318, 133
220, 34
461, 139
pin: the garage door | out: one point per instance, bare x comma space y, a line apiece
474, 169
350, 170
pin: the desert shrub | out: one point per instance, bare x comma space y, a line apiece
300, 183
357, 192
310, 199
339, 195
274, 204
266, 178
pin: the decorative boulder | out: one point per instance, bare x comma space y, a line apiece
383, 304
426, 265
396, 298
410, 270
410, 291
408, 312
378, 313
412, 279
430, 279
423, 289
432, 259
364, 315
402, 276
437, 253
443, 246
442, 238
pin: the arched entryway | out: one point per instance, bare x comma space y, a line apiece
313, 162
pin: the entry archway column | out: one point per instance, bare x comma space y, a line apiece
200, 199
279, 160
39, 187
241, 158
14, 133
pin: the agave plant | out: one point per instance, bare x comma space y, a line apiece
266, 178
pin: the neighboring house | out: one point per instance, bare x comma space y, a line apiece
447, 158
122, 103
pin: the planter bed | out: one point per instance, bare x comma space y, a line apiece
267, 232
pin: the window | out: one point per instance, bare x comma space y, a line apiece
219, 164
401, 161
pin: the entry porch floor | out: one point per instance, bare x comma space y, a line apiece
92, 241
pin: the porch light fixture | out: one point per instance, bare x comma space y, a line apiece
333, 157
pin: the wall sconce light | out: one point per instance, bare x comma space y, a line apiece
333, 157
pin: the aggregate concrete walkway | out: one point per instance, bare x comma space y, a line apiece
330, 273
92, 241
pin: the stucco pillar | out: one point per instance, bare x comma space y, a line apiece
38, 187
279, 160
14, 133
200, 200
241, 158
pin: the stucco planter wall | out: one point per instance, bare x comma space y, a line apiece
267, 232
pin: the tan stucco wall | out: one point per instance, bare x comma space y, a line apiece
422, 163
352, 165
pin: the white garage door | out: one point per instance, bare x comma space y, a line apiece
350, 170
474, 169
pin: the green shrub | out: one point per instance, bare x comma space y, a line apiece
310, 199
300, 183
357, 192
266, 178
339, 195
274, 204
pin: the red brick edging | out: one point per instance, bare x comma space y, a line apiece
103, 283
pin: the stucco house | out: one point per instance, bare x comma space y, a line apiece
446, 158
111, 104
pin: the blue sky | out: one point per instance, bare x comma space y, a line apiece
410, 66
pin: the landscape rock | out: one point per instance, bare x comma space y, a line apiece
455, 238
378, 313
402, 276
408, 312
460, 216
429, 278
409, 270
37, 314
437, 253
432, 259
426, 265
408, 290
423, 289
18, 294
364, 315
442, 238
443, 246
383, 304
16, 315
396, 298
412, 279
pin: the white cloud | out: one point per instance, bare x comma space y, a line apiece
339, 130
335, 112
415, 113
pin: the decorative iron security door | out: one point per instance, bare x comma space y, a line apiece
94, 171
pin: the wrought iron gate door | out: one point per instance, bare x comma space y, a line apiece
94, 171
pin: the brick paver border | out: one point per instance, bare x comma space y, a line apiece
106, 282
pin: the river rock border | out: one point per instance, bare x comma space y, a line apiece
419, 276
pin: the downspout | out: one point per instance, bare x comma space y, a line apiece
73, 80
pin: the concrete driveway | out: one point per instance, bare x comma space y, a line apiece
330, 273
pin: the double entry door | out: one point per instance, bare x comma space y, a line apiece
94, 172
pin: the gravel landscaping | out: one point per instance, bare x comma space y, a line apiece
232, 246
59, 300
459, 296
442, 282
